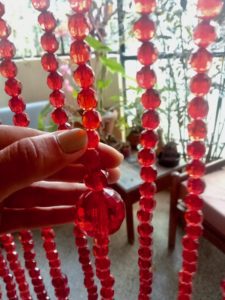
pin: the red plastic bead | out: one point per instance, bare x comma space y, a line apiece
182, 296
146, 157
80, 6
148, 204
59, 116
13, 87
64, 126
197, 129
193, 217
8, 68
146, 78
17, 105
201, 60
87, 99
150, 99
144, 29
78, 26
4, 29
49, 62
198, 108
147, 54
200, 84
196, 149
148, 174
145, 6
209, 9
91, 119
143, 216
150, 119
84, 76
194, 231
47, 21
96, 180
191, 268
49, 42
196, 185
204, 34
41, 4
148, 139
7, 49
196, 168
80, 52
93, 138
100, 213
91, 157
55, 81
147, 189
57, 98
184, 276
21, 119
190, 244
145, 229
193, 202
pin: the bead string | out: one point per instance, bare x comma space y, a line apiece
200, 61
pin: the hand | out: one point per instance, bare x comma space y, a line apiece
41, 174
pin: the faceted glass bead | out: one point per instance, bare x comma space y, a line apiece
191, 268
195, 168
144, 29
100, 213
147, 54
64, 126
147, 204
143, 216
108, 282
84, 76
150, 119
87, 99
190, 244
91, 119
49, 62
107, 293
198, 108
145, 6
59, 116
148, 174
193, 217
41, 4
47, 21
78, 26
147, 189
55, 81
209, 9
49, 42
13, 87
194, 231
182, 296
148, 139
4, 29
8, 68
185, 276
196, 149
201, 60
146, 157
185, 288
147, 242
204, 34
93, 138
197, 129
193, 202
150, 99
200, 84
80, 6
7, 49
96, 181
92, 159
145, 229
57, 98
2, 9
146, 78
21, 119
196, 186
17, 105
80, 52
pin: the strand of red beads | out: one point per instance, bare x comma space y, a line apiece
200, 61
223, 289
26, 239
100, 210
144, 30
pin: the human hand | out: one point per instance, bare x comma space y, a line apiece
41, 174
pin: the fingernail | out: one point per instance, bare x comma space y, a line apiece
72, 140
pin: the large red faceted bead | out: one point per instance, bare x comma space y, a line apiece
49, 42
78, 26
91, 119
57, 98
21, 119
204, 34
146, 157
197, 129
193, 217
145, 6
201, 60
17, 105
193, 202
200, 84
49, 62
96, 181
80, 6
148, 139
87, 99
41, 4
55, 81
47, 21
209, 9
59, 116
80, 52
148, 174
13, 87
150, 119
93, 138
190, 244
198, 108
7, 49
147, 189
146, 78
84, 76
196, 186
5, 30
195, 168
150, 99
8, 68
196, 149
144, 29
147, 54
100, 213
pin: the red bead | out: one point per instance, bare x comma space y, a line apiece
193, 202
13, 87
145, 6
96, 180
148, 174
148, 139
201, 60
49, 62
191, 268
144, 252
8, 68
107, 293
55, 81
80, 52
194, 231
193, 217
100, 213
4, 29
190, 244
41, 4
148, 204
182, 296
143, 216
147, 242
64, 126
198, 108
145, 229
21, 119
57, 98
200, 84
147, 189
197, 129
91, 119
146, 157
150, 119
78, 26
195, 168
185, 288
196, 186
91, 158
2, 9
144, 29
150, 99
204, 34
209, 9
7, 49
196, 149
59, 116
93, 138
80, 6
47, 21
108, 282
147, 54
17, 105
49, 42
146, 78
84, 76
87, 99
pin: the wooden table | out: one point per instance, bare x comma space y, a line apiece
129, 182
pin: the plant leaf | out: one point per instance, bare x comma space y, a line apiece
97, 45
112, 65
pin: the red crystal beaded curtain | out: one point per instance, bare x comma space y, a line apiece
200, 61
144, 30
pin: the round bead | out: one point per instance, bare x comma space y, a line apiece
182, 296
7, 49
197, 129
80, 52
194, 231
87, 99
193, 217
84, 76
146, 78
147, 189
100, 213
96, 181
196, 149
17, 105
80, 6
147, 204
147, 54
4, 29
47, 21
201, 60
145, 241
150, 119
193, 202
59, 116
198, 108
91, 119
144, 29
196, 168
55, 81
148, 139
146, 157
196, 186
21, 119
185, 276
13, 87
8, 68
41, 4
209, 9
49, 62
145, 6
2, 9
191, 268
91, 158
189, 244
204, 34
49, 42
93, 138
145, 229
143, 216
150, 99
148, 174
200, 84
57, 98
78, 26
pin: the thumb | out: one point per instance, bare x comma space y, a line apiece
32, 159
